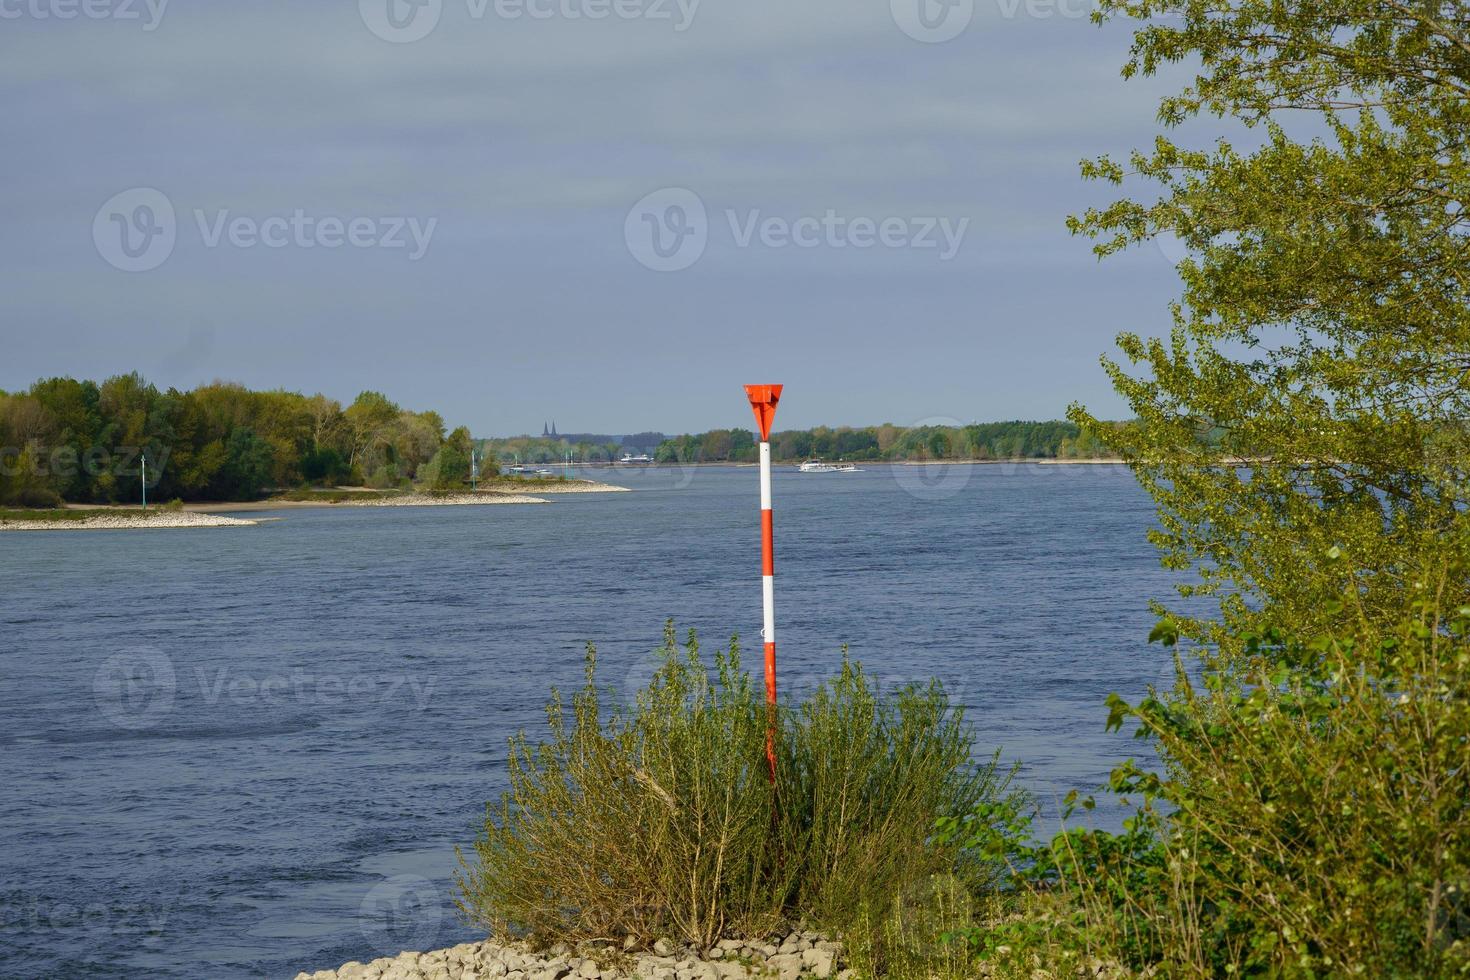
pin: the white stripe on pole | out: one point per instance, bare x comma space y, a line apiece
768, 595
765, 476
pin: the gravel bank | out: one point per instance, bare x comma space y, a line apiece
126, 522
443, 500
573, 486
787, 958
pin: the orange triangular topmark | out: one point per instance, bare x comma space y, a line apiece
763, 399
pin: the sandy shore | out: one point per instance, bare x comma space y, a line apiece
503, 493
572, 486
126, 522
441, 500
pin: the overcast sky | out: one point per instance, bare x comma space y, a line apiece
607, 212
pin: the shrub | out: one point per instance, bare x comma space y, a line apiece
42, 498
1311, 819
659, 818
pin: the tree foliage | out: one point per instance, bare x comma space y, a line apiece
72, 440
978, 441
1324, 331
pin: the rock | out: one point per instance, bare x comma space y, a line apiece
560, 949
629, 942
716, 954
494, 969
729, 944
788, 965
663, 947
847, 974
819, 962
589, 969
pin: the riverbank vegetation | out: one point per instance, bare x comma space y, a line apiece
1304, 807
659, 818
79, 441
1301, 803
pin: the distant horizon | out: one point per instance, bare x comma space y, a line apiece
451, 423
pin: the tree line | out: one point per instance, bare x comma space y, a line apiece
81, 441
978, 441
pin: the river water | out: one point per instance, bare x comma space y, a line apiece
246, 752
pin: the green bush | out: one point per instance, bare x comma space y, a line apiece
1317, 807
1311, 819
659, 818
36, 497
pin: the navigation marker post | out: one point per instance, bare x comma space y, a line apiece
143, 482
763, 399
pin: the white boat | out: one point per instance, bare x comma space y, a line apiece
817, 466
640, 459
519, 470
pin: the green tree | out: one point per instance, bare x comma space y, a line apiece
1323, 334
449, 469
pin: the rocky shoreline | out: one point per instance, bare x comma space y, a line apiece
127, 522
798, 954
443, 500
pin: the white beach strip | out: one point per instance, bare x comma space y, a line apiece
127, 522
444, 500
577, 486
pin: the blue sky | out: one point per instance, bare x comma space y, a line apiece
455, 219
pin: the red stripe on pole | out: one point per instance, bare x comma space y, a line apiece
768, 544
770, 673
771, 708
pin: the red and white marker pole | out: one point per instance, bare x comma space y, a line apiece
763, 399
